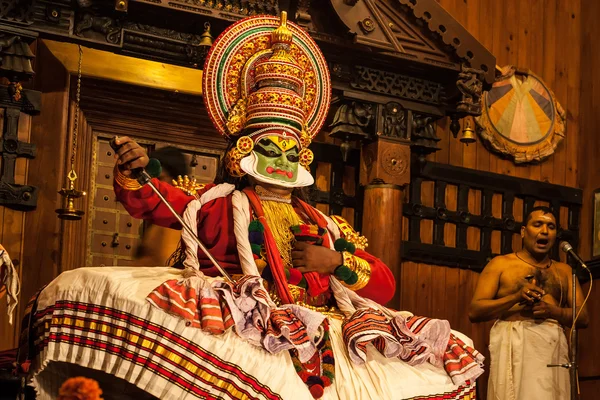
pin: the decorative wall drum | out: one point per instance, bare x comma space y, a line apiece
520, 117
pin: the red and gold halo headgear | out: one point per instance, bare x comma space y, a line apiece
266, 77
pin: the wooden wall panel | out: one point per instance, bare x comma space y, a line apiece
544, 36
41, 241
589, 180
545, 41
11, 233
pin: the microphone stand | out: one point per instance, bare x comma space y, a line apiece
572, 364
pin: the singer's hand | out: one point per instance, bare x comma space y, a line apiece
130, 155
529, 293
543, 310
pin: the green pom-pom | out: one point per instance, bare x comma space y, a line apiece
303, 284
340, 244
353, 279
256, 226
342, 273
256, 248
350, 248
287, 274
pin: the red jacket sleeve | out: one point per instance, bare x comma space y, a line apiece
146, 204
382, 285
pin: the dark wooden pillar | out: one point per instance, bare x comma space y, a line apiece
385, 170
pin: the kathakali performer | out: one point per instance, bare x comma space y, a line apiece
304, 318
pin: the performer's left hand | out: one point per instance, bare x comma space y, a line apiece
545, 310
309, 258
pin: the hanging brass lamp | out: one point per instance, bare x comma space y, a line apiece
70, 194
70, 213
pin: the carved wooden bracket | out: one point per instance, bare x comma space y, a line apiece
22, 197
383, 118
353, 120
470, 85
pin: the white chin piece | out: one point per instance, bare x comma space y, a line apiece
303, 178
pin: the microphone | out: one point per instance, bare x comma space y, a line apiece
567, 248
143, 176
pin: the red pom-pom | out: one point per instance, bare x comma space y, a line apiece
79, 388
316, 391
295, 276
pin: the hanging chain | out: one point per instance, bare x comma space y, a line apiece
76, 118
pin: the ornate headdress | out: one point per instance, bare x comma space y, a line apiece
266, 77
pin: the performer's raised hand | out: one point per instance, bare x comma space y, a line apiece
309, 258
130, 155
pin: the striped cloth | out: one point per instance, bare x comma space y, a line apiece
414, 340
215, 306
202, 310
462, 362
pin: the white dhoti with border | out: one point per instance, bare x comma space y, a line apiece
520, 352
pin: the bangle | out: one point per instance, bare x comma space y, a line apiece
363, 273
124, 181
344, 272
354, 273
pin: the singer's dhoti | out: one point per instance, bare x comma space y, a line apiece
520, 352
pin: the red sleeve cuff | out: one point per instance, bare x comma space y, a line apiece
382, 285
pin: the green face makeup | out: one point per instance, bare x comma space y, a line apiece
276, 163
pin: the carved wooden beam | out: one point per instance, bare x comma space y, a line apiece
129, 70
415, 30
453, 34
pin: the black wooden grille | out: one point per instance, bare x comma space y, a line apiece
510, 189
335, 197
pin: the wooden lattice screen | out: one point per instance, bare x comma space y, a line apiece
341, 194
491, 204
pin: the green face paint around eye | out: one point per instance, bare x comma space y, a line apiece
274, 163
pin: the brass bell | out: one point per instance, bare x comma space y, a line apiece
468, 135
206, 38
70, 213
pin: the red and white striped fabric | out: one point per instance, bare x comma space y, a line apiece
202, 310
462, 362
414, 340
215, 306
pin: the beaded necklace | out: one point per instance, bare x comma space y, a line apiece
266, 194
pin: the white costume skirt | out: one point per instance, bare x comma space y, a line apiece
99, 319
